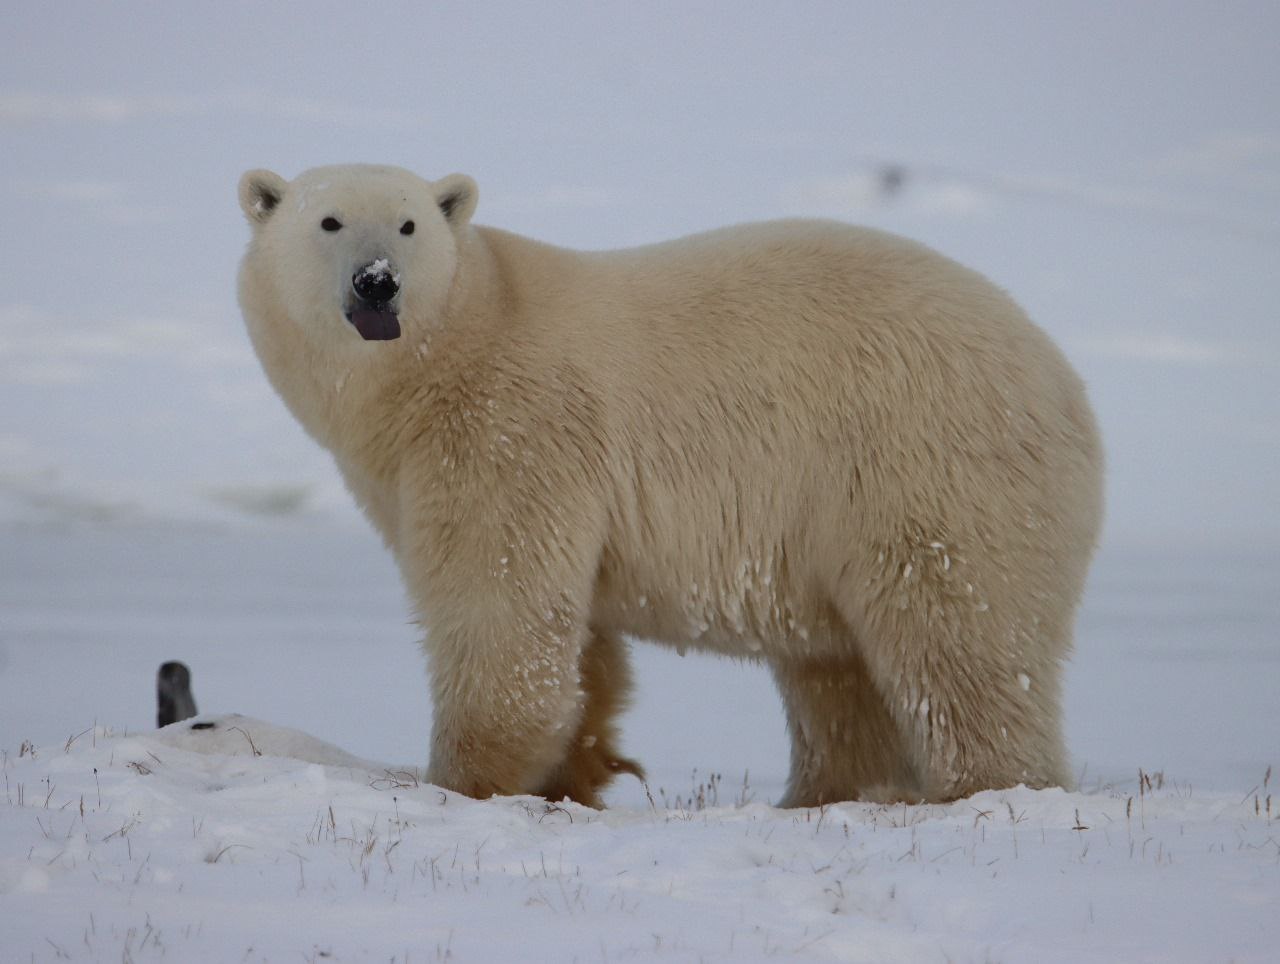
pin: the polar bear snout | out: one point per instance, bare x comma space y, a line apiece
376, 282
372, 310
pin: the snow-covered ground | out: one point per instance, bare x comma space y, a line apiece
254, 841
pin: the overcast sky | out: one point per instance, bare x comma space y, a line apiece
1115, 166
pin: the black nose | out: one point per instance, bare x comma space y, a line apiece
376, 282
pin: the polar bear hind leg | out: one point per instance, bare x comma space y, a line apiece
845, 744
976, 697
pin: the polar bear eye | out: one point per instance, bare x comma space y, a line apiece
331, 224
406, 228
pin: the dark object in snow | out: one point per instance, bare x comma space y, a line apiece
174, 701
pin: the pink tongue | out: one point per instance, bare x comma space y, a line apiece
376, 324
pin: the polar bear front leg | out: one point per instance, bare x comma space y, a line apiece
508, 698
502, 575
501, 524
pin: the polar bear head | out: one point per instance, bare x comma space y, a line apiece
353, 251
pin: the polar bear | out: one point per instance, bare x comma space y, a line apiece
820, 447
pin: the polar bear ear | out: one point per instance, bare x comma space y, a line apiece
260, 194
457, 196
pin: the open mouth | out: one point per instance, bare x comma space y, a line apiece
375, 321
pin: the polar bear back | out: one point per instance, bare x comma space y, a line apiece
803, 405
